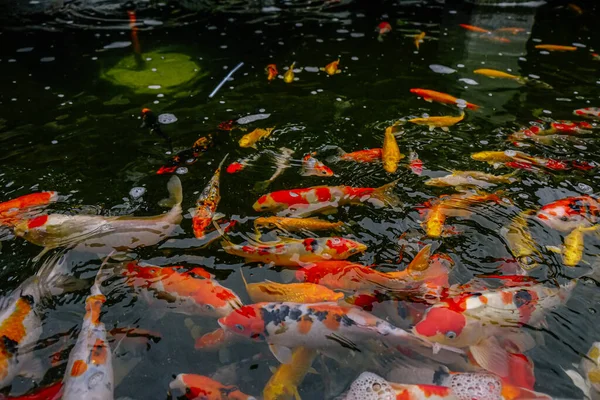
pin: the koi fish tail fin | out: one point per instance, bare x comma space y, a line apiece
222, 162
472, 106
386, 194
175, 193
336, 157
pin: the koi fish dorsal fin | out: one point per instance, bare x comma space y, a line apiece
175, 193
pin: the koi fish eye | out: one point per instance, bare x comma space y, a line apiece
450, 335
209, 307
239, 327
352, 251
564, 218
336, 241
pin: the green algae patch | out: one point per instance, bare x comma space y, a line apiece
154, 72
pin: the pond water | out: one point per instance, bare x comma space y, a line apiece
75, 78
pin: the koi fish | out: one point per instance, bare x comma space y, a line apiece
570, 213
294, 292
510, 30
288, 77
587, 377
250, 139
438, 122
415, 164
199, 387
271, 71
363, 156
390, 152
332, 68
470, 179
291, 252
207, 203
14, 210
313, 326
297, 224
554, 47
494, 38
478, 320
313, 167
384, 28
99, 234
435, 221
89, 373
572, 250
567, 127
588, 112
50, 392
216, 340
431, 95
520, 242
494, 73
473, 28
518, 159
419, 39
192, 292
188, 156
241, 164
150, 120
282, 162
283, 385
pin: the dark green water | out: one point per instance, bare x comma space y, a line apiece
65, 128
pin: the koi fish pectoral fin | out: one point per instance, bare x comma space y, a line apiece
282, 354
490, 356
579, 381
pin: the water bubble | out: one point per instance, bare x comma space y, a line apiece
584, 188
441, 69
510, 153
167, 118
137, 192
117, 45
155, 87
469, 81
181, 171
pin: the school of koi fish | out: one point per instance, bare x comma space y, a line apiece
408, 329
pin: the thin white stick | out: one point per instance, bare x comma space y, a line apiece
225, 80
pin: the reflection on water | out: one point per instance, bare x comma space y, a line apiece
100, 100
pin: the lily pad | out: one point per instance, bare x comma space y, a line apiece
154, 72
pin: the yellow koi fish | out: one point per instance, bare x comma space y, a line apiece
332, 68
250, 139
391, 155
520, 242
438, 122
288, 77
284, 383
494, 73
419, 39
572, 249
268, 291
296, 224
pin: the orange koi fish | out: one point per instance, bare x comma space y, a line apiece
438, 122
555, 47
313, 326
12, 211
199, 387
419, 39
271, 71
322, 196
216, 340
474, 28
332, 68
89, 373
570, 213
494, 38
384, 27
296, 224
431, 95
291, 252
313, 167
207, 203
288, 77
363, 156
295, 292
514, 31
189, 292
391, 155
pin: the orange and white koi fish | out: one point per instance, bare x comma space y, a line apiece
363, 156
14, 210
241, 164
470, 179
99, 234
199, 387
438, 122
323, 196
570, 213
473, 28
292, 252
332, 68
89, 373
415, 164
432, 95
284, 383
207, 203
587, 375
313, 326
419, 39
313, 167
297, 224
288, 77
588, 112
390, 155
250, 139
494, 73
294, 292
271, 71
189, 292
555, 47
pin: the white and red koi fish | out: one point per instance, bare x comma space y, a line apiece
101, 235
189, 292
199, 387
587, 375
415, 164
89, 373
588, 112
292, 252
319, 197
313, 167
207, 203
569, 213
316, 326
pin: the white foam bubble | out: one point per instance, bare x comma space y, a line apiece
369, 386
469, 386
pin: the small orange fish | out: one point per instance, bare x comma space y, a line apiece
494, 38
419, 39
384, 28
474, 28
313, 167
555, 47
10, 210
271, 71
432, 95
332, 68
511, 30
365, 156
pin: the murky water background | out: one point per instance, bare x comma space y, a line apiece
65, 128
